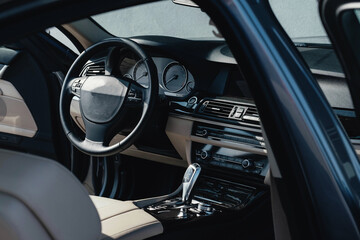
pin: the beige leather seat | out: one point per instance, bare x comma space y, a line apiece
40, 199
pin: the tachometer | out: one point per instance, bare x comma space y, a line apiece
174, 77
141, 74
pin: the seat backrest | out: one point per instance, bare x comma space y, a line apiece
40, 199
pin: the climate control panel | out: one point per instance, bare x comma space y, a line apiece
247, 154
212, 156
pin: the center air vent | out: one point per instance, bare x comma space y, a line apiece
95, 69
241, 112
217, 108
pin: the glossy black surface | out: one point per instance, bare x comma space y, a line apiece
216, 194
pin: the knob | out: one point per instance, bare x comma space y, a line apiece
246, 163
189, 180
204, 155
192, 100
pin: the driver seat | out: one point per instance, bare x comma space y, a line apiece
40, 199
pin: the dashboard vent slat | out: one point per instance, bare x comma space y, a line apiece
95, 69
251, 116
241, 112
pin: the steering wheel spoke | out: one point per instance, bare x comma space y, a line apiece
95, 132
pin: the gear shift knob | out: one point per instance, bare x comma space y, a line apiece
190, 177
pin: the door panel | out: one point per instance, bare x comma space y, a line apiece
15, 116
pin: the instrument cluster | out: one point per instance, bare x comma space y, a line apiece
175, 80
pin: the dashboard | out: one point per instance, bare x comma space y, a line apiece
205, 112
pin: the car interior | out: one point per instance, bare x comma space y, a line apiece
161, 132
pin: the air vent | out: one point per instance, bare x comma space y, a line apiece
217, 108
251, 115
241, 112
95, 69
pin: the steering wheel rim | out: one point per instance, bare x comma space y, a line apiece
93, 145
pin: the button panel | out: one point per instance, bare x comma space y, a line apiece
215, 157
76, 85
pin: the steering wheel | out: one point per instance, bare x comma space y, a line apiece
104, 100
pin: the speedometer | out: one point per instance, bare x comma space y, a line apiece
140, 74
174, 77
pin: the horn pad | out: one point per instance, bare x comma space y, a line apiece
102, 97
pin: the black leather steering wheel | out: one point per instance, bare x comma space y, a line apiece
104, 100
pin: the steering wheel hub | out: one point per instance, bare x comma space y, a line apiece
101, 98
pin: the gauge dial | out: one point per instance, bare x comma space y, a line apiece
141, 74
174, 77
190, 86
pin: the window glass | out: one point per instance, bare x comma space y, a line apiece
58, 35
357, 13
301, 20
162, 18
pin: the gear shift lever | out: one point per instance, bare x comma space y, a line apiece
190, 177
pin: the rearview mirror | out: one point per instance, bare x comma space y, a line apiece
188, 3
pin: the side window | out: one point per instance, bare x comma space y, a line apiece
300, 20
61, 37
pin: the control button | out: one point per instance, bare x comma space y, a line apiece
246, 163
258, 171
204, 155
259, 164
203, 207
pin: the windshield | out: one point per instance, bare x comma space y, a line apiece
159, 18
301, 20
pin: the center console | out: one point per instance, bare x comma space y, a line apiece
226, 142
